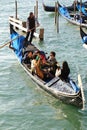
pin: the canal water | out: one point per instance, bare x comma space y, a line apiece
23, 105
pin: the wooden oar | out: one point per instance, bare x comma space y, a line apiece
82, 91
9, 42
13, 39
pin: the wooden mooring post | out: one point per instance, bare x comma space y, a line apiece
15, 9
41, 34
41, 31
36, 10
57, 16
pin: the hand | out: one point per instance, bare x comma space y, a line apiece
38, 24
29, 30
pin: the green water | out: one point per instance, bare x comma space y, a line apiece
23, 105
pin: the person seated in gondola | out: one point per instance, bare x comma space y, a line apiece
77, 17
63, 72
51, 59
44, 75
27, 58
58, 70
33, 64
51, 62
41, 54
40, 69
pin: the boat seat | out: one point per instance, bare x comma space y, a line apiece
31, 47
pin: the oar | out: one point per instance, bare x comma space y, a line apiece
8, 42
82, 92
13, 39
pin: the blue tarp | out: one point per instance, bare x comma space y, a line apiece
82, 8
74, 86
84, 39
17, 45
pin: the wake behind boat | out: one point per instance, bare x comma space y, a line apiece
67, 91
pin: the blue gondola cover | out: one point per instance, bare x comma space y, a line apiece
17, 44
85, 39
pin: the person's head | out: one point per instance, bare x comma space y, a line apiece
34, 56
31, 14
52, 54
65, 65
30, 54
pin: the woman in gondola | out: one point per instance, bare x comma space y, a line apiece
63, 72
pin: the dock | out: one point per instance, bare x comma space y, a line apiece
20, 25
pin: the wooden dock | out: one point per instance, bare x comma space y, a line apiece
21, 25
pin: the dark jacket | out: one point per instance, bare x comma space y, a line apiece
31, 22
65, 71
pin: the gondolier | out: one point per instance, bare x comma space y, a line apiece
30, 26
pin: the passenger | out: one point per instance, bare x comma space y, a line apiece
40, 71
58, 71
51, 61
41, 55
65, 71
33, 64
77, 17
28, 57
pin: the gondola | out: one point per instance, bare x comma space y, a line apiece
83, 37
82, 7
67, 91
48, 8
52, 8
71, 8
75, 19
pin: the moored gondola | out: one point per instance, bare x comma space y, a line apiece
74, 7
83, 35
52, 8
49, 8
75, 19
82, 7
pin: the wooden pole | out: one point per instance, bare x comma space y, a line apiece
80, 11
15, 9
9, 42
82, 91
74, 6
37, 9
41, 36
55, 12
80, 5
57, 17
